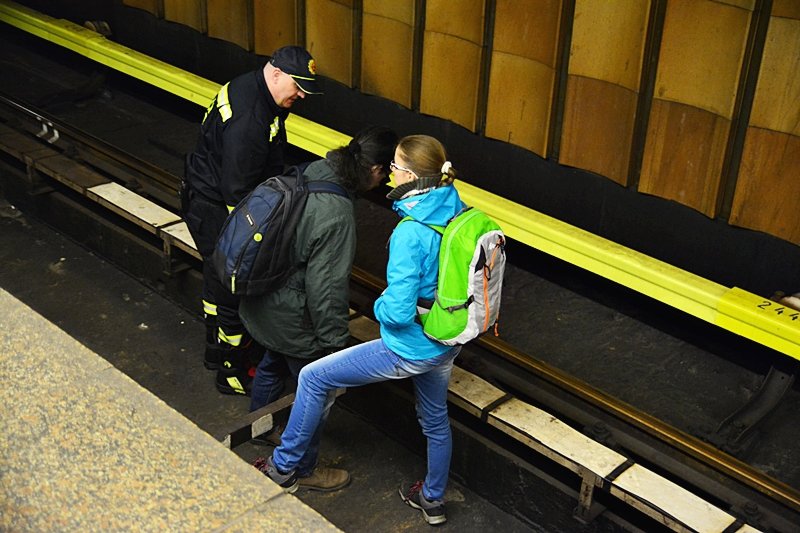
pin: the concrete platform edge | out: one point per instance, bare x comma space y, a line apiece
86, 448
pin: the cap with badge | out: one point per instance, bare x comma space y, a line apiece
297, 63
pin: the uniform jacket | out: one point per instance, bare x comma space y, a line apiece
413, 270
308, 316
241, 141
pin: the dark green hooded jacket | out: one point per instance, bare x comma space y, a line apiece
308, 317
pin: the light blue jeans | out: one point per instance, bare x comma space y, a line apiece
366, 363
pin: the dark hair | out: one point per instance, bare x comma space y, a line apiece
353, 162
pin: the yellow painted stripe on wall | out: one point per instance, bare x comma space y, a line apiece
741, 312
761, 320
733, 309
301, 132
313, 137
671, 285
96, 47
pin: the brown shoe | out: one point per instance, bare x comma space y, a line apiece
273, 438
326, 479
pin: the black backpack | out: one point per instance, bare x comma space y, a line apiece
253, 251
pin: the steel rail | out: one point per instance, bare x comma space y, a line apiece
682, 442
111, 152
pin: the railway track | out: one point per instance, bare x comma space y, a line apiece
45, 148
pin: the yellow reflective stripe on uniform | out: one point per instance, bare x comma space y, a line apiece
224, 104
236, 385
233, 340
209, 108
274, 128
230, 208
209, 308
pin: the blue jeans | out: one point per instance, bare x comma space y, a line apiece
271, 374
366, 363
269, 384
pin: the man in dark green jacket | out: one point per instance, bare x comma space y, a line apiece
307, 318
308, 315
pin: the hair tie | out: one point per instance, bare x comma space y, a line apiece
354, 147
446, 167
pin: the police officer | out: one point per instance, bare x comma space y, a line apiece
241, 143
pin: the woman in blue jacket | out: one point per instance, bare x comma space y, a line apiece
425, 193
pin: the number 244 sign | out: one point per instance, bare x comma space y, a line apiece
786, 313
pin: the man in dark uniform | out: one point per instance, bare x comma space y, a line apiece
241, 144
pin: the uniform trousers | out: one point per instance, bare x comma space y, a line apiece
205, 219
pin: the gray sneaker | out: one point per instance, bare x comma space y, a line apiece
288, 482
432, 511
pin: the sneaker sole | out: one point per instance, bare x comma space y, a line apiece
265, 468
432, 520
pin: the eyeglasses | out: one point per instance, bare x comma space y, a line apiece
395, 166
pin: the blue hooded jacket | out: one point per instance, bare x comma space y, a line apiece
413, 270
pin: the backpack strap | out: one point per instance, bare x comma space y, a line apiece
328, 187
297, 170
425, 304
437, 229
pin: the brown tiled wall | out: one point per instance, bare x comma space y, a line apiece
652, 96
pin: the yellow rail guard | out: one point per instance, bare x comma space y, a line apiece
734, 309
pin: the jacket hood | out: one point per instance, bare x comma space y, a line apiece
321, 170
435, 207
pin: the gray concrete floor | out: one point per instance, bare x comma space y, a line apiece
85, 448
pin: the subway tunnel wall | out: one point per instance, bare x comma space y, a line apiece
670, 127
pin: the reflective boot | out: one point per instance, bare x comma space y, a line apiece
214, 350
238, 367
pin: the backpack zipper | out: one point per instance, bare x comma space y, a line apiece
450, 237
239, 260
